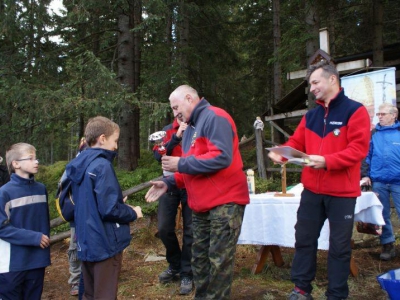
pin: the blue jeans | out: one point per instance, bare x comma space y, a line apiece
384, 191
167, 208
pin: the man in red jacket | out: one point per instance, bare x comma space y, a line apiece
335, 135
211, 170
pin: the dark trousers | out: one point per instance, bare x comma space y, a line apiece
81, 287
314, 209
22, 285
101, 278
215, 233
167, 208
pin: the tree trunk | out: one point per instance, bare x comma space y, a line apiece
129, 77
377, 8
312, 27
278, 137
277, 45
183, 27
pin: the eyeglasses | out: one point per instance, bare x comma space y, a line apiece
382, 114
29, 158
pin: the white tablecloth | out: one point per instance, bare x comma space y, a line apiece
270, 220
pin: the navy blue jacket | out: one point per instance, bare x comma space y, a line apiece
24, 218
101, 217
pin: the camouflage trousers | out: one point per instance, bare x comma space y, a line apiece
215, 234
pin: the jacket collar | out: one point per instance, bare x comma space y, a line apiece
395, 125
203, 104
20, 180
340, 97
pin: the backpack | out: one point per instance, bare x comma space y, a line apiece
4, 176
64, 201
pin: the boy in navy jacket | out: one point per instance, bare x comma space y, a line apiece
24, 227
101, 215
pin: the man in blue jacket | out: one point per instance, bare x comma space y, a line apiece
101, 216
383, 170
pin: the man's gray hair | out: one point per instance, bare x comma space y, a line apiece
390, 107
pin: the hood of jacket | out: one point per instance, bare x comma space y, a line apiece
76, 168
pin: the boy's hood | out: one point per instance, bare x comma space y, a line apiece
77, 167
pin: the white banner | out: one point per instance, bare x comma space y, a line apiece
372, 89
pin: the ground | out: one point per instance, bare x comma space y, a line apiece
138, 279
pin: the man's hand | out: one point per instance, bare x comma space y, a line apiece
276, 158
316, 162
158, 189
367, 181
44, 242
181, 129
170, 163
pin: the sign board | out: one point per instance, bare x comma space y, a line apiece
371, 89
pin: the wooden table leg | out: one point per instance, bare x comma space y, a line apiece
262, 258
178, 218
353, 267
278, 260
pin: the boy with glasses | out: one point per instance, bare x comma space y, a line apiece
24, 237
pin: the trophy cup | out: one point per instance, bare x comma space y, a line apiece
158, 139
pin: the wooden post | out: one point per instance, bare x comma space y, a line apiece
283, 179
260, 154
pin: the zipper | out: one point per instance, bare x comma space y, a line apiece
321, 144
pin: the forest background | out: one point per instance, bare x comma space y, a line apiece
122, 59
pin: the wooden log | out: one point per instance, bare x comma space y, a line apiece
139, 187
58, 221
60, 236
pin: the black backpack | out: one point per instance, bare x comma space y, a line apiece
4, 175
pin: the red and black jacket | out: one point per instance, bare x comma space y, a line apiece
340, 133
211, 165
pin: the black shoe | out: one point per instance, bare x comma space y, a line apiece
168, 275
186, 286
388, 252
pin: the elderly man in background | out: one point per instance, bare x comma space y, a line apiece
382, 169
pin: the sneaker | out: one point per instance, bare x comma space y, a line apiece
186, 286
168, 275
74, 290
388, 252
298, 294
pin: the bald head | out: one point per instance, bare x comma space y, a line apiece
183, 100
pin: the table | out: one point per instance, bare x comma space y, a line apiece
269, 221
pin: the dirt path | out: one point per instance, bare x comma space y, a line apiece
139, 279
